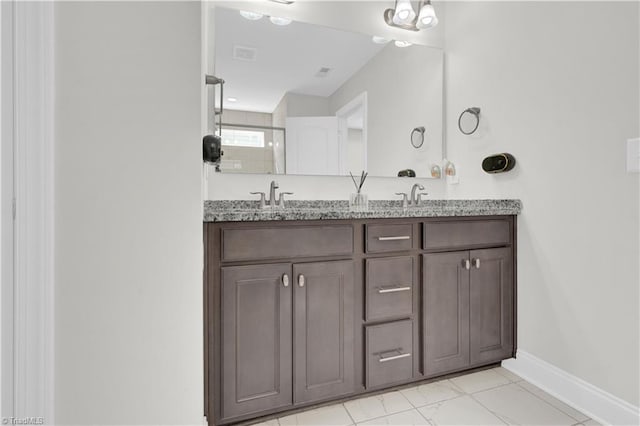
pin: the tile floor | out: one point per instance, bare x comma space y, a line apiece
489, 397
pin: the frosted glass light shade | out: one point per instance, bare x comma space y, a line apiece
427, 17
404, 13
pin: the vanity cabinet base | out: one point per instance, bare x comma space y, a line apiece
388, 307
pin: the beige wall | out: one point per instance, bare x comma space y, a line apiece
558, 86
128, 230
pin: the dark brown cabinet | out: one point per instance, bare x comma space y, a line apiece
302, 312
323, 341
261, 306
468, 308
256, 339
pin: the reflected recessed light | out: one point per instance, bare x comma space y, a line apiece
280, 21
283, 1
401, 43
380, 40
252, 16
232, 99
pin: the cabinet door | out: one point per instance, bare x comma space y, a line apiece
323, 330
491, 310
446, 312
256, 338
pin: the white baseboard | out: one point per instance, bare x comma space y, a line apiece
600, 405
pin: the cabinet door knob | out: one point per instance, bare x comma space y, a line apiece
301, 280
476, 263
285, 280
466, 264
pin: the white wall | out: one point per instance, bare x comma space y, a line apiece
128, 296
306, 105
404, 91
558, 86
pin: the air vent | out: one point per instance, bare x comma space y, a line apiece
323, 72
243, 53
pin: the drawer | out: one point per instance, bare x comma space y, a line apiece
286, 242
386, 238
390, 287
389, 353
457, 234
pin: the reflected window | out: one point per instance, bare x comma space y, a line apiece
246, 138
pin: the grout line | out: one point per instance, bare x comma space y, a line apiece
353, 421
498, 416
548, 403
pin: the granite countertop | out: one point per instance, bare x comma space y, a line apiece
248, 211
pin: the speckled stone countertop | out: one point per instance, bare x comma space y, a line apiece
249, 211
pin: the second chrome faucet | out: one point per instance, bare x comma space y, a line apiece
415, 199
273, 202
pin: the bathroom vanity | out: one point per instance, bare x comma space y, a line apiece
316, 303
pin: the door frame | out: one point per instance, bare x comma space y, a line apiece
343, 114
30, 345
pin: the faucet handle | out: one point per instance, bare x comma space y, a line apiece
420, 197
263, 203
281, 199
404, 199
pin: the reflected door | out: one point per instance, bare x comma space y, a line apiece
312, 146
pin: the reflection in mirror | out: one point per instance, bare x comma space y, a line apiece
307, 99
469, 120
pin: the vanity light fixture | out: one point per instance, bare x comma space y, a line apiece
403, 16
280, 21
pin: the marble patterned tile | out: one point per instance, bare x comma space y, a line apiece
570, 411
479, 381
406, 418
508, 374
459, 411
377, 406
516, 406
423, 395
333, 415
272, 422
591, 422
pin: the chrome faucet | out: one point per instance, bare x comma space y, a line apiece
273, 201
414, 199
272, 192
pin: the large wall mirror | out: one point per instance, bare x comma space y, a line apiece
311, 100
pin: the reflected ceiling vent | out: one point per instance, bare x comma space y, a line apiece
243, 53
323, 72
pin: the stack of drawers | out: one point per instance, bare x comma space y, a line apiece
391, 296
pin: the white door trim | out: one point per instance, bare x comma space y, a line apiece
34, 188
6, 224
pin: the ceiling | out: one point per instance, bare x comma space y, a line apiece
287, 59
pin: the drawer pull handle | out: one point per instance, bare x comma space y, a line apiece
382, 290
394, 357
399, 237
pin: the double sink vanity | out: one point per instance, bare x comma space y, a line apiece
314, 302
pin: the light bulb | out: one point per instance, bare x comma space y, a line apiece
252, 16
404, 13
427, 17
280, 21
